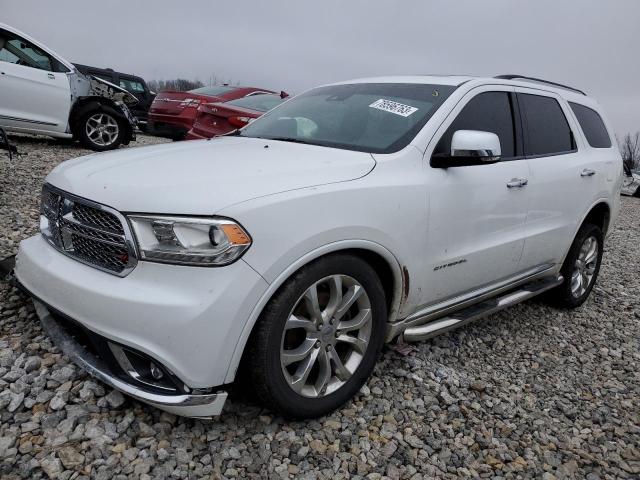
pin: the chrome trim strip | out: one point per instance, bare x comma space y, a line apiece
125, 364
460, 301
37, 122
203, 405
64, 228
69, 218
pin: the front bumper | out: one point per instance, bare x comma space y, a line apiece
188, 319
201, 406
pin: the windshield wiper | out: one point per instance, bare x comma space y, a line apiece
290, 139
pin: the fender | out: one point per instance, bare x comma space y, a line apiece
299, 263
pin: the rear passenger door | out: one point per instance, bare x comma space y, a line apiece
562, 179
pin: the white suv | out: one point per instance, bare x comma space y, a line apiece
288, 254
42, 93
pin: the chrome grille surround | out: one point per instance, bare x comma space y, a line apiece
89, 232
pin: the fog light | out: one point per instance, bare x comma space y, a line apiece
155, 371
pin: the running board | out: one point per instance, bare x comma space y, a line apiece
479, 310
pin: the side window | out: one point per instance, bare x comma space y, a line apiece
592, 126
19, 51
132, 86
547, 129
487, 112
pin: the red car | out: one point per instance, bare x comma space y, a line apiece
172, 113
215, 119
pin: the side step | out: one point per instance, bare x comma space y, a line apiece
479, 310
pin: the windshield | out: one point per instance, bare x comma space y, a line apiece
260, 103
367, 117
211, 91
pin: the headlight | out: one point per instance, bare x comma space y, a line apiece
189, 240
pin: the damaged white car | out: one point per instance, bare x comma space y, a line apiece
630, 182
42, 93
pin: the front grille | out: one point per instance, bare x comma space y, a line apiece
97, 218
89, 232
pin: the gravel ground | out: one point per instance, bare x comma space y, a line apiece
531, 392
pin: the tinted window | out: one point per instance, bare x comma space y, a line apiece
592, 126
14, 49
132, 86
487, 112
260, 103
367, 117
547, 128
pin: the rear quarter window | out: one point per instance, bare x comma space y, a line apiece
592, 126
547, 129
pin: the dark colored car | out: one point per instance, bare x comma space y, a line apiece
214, 119
172, 112
132, 83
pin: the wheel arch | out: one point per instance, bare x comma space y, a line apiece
599, 214
87, 104
395, 284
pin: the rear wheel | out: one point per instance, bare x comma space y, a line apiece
318, 339
101, 130
580, 269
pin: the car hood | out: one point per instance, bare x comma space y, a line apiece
203, 177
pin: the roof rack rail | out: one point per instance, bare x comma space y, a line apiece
523, 77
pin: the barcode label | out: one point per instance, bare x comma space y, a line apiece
393, 107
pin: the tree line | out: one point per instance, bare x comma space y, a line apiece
180, 84
183, 84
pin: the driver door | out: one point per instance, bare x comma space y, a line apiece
476, 213
34, 95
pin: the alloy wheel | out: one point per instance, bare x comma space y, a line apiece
584, 267
102, 129
326, 336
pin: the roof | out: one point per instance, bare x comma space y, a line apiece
566, 92
428, 79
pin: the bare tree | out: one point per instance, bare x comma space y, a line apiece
630, 150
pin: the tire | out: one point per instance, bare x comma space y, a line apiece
111, 137
637, 192
568, 294
281, 333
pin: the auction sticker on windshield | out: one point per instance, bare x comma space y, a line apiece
393, 107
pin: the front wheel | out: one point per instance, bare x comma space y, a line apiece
319, 337
101, 130
580, 269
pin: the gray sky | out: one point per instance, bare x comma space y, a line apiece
295, 45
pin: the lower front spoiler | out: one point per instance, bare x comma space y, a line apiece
188, 405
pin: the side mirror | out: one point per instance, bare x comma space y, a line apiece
470, 147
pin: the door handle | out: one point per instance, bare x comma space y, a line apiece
517, 183
587, 172
51, 76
